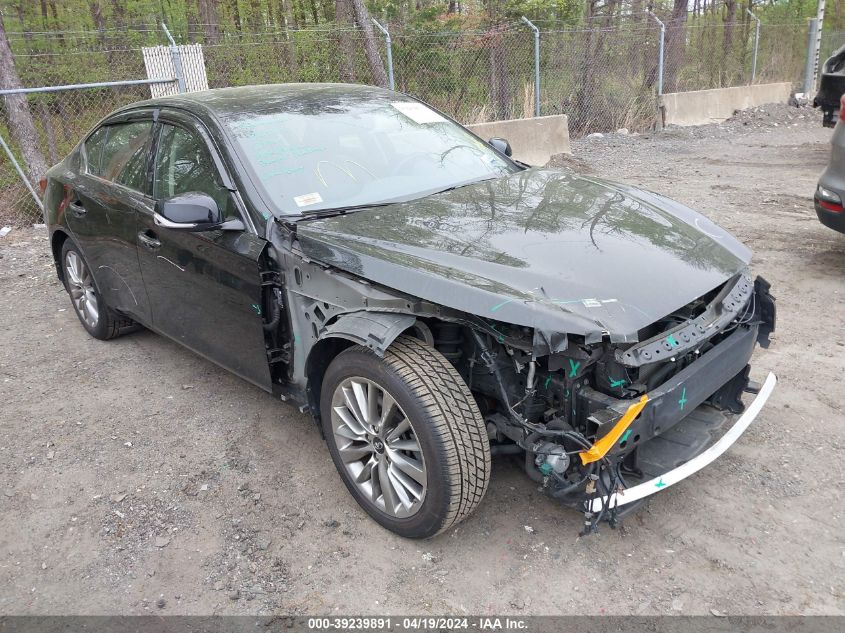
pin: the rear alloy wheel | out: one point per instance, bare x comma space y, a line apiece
93, 312
80, 286
406, 436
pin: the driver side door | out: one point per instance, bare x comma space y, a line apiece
204, 287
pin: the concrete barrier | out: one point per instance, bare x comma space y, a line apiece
534, 141
712, 106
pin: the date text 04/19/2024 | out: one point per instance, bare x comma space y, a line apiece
422, 623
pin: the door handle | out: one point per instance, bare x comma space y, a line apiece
149, 241
77, 209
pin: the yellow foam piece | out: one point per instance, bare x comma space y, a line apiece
600, 448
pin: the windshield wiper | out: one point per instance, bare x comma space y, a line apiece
325, 213
461, 185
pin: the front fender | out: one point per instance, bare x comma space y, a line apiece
374, 330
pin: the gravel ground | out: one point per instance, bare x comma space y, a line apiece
136, 477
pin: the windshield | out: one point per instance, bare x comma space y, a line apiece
360, 151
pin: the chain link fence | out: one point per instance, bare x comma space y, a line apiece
831, 40
604, 77
475, 76
61, 118
331, 55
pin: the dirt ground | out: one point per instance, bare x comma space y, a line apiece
136, 477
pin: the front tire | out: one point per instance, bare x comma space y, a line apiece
406, 437
96, 316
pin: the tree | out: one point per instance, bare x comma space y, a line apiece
343, 16
675, 44
362, 17
730, 22
207, 10
21, 126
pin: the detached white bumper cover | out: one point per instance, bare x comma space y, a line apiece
699, 461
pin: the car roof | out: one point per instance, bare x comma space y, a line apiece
233, 103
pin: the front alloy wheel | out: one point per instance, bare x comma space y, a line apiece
406, 436
378, 446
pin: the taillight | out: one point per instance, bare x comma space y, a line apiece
830, 206
828, 200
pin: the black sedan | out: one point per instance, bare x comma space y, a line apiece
428, 300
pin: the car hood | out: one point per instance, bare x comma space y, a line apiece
542, 248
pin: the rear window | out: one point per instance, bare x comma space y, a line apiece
119, 153
94, 150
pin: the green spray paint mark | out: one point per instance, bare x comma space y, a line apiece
500, 337
500, 305
567, 393
573, 368
296, 339
617, 383
625, 437
683, 400
671, 340
266, 215
257, 308
660, 483
548, 380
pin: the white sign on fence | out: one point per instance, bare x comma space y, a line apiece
158, 61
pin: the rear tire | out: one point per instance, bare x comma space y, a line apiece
96, 316
416, 479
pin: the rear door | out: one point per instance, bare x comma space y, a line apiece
204, 287
108, 193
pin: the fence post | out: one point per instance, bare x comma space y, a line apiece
21, 174
176, 55
389, 44
660, 53
756, 44
809, 69
818, 44
536, 64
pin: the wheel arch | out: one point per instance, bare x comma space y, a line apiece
57, 241
375, 331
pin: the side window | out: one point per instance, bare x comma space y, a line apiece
184, 165
94, 151
124, 155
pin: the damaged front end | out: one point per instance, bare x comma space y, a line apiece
597, 419
621, 390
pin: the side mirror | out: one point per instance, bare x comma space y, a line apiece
192, 211
501, 144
